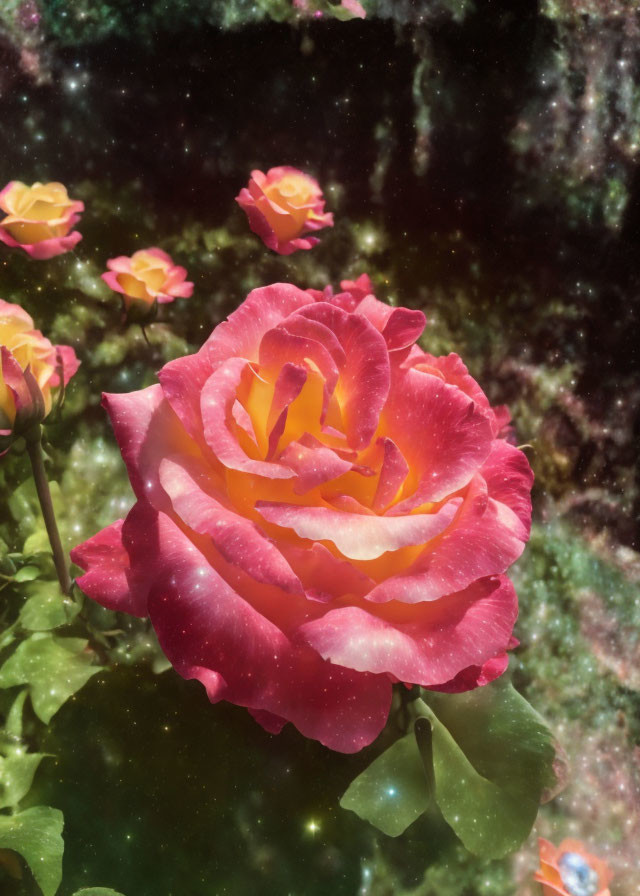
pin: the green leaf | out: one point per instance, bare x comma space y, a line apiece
27, 574
37, 835
96, 891
8, 636
16, 776
484, 757
47, 608
492, 757
340, 13
13, 724
393, 791
54, 668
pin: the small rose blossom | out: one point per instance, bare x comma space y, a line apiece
356, 9
323, 509
147, 277
39, 219
353, 7
31, 367
569, 870
283, 206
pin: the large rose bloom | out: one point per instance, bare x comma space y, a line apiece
39, 219
569, 870
323, 510
30, 368
283, 206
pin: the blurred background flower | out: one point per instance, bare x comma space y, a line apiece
569, 870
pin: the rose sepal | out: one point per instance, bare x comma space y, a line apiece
483, 758
137, 311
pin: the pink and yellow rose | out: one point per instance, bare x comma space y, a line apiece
31, 368
283, 206
323, 509
569, 870
345, 9
147, 277
39, 219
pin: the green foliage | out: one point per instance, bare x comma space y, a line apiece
393, 791
492, 759
36, 834
46, 607
484, 757
16, 776
96, 891
54, 668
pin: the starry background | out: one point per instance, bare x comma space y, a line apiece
482, 165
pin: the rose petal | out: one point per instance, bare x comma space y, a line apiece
444, 437
216, 400
476, 676
67, 361
239, 336
106, 562
461, 630
280, 346
486, 539
403, 328
313, 464
393, 473
44, 249
358, 288
359, 536
147, 430
323, 574
509, 479
119, 561
209, 632
270, 722
364, 379
239, 541
288, 386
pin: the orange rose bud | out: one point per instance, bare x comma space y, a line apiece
569, 870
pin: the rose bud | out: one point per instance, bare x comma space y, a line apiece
147, 278
31, 367
323, 509
39, 219
282, 206
569, 870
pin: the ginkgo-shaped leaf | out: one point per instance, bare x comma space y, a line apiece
36, 834
53, 668
485, 757
492, 758
394, 790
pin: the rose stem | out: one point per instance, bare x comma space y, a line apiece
33, 439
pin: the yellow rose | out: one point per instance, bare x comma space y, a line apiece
39, 218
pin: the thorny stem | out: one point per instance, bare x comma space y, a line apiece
33, 439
